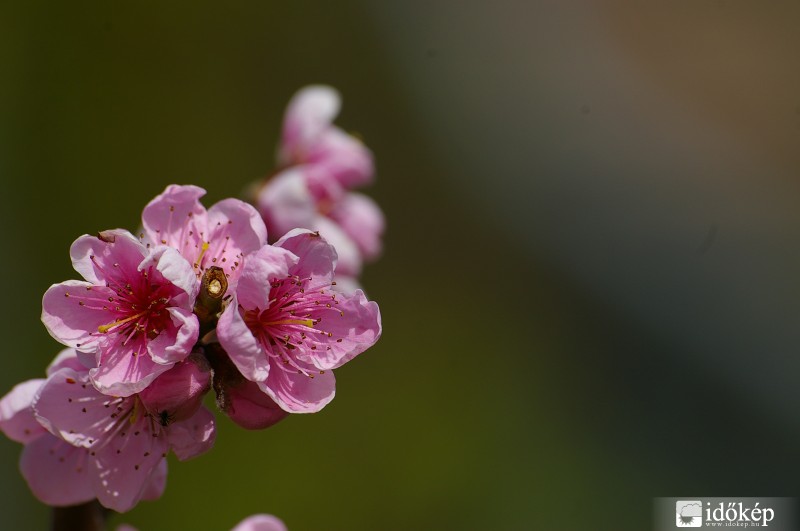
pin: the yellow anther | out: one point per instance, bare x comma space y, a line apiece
106, 327
305, 322
203, 250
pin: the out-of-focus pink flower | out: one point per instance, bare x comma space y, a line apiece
286, 329
57, 473
219, 236
309, 137
123, 443
257, 522
261, 522
320, 163
133, 311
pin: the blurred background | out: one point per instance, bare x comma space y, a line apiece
590, 286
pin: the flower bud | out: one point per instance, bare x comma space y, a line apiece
177, 394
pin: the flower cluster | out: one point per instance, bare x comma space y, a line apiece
198, 300
319, 165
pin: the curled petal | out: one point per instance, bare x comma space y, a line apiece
260, 269
175, 342
176, 270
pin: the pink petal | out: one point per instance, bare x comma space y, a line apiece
176, 218
176, 270
260, 269
157, 483
73, 310
68, 406
349, 259
286, 202
249, 407
242, 347
112, 256
309, 114
297, 393
260, 522
67, 358
362, 220
126, 464
17, 420
235, 229
193, 436
127, 370
175, 342
178, 393
316, 257
346, 285
343, 157
348, 329
57, 472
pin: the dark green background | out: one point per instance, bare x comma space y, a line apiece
588, 298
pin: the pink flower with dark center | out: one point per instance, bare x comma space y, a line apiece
219, 236
286, 329
133, 312
57, 473
126, 443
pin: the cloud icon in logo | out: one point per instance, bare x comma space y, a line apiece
692, 509
689, 513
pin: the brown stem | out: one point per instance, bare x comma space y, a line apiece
89, 516
208, 305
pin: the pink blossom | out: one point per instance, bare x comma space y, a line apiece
58, 473
219, 236
320, 163
123, 443
309, 137
133, 311
260, 522
286, 329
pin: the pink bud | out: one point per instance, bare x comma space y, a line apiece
177, 394
251, 408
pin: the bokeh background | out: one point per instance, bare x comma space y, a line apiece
590, 286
